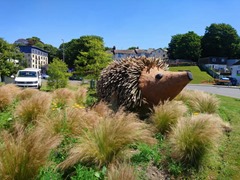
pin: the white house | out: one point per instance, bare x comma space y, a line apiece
235, 71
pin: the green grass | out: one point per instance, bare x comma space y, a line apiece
230, 111
198, 75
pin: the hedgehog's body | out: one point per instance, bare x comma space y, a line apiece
140, 81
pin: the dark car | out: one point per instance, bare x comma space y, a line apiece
75, 78
233, 81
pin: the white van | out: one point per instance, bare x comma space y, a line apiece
29, 77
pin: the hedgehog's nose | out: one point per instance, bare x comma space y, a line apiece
190, 76
158, 76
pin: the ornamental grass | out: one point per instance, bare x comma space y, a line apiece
23, 152
30, 109
194, 137
167, 114
63, 97
121, 171
108, 140
27, 93
7, 95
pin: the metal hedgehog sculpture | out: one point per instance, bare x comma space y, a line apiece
139, 82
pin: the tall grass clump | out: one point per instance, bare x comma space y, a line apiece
63, 97
194, 137
27, 93
23, 153
203, 102
81, 95
7, 95
167, 114
107, 141
121, 171
30, 109
70, 122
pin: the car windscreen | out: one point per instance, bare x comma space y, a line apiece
27, 74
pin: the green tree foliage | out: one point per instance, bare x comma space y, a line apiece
185, 46
52, 52
220, 40
132, 48
8, 54
58, 75
92, 57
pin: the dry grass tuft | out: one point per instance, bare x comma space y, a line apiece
7, 95
199, 101
13, 89
203, 102
194, 137
166, 115
71, 122
121, 172
102, 109
108, 139
63, 97
27, 93
81, 95
30, 109
23, 153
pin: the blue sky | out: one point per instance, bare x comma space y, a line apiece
123, 23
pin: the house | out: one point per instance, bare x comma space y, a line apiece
235, 71
36, 57
218, 64
221, 67
157, 53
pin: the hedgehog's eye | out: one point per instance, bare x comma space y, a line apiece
158, 76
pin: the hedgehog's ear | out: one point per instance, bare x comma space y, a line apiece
158, 76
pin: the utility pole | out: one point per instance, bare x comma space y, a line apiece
63, 51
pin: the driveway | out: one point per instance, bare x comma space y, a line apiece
230, 91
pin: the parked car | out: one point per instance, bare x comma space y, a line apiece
76, 78
45, 76
29, 77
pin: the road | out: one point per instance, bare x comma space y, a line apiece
216, 89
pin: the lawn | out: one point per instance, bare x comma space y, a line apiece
198, 75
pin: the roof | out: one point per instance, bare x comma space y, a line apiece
237, 63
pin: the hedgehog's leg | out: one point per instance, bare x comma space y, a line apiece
114, 101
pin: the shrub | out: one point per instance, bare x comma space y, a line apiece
166, 115
121, 172
108, 140
58, 76
194, 137
23, 153
30, 109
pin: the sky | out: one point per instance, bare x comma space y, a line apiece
121, 23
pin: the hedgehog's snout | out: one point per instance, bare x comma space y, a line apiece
158, 76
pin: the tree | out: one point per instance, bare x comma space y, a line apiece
9, 55
220, 40
52, 52
58, 75
92, 57
133, 48
185, 46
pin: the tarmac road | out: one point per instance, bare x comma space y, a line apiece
230, 91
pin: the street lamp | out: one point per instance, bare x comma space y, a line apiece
63, 51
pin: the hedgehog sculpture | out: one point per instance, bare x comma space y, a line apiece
138, 82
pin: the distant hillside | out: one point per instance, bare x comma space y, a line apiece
198, 75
